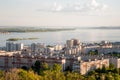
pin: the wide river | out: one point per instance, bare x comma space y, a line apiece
60, 37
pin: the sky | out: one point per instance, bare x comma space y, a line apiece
59, 13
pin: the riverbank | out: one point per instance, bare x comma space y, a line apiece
17, 39
32, 29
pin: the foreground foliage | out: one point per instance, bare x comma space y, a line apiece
41, 71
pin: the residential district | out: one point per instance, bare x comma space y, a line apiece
75, 55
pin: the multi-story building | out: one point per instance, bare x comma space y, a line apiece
70, 60
82, 63
38, 47
83, 67
69, 43
54, 60
72, 42
57, 47
18, 60
11, 46
116, 45
73, 50
115, 62
50, 50
76, 42
108, 50
86, 49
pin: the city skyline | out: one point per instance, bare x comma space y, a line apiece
59, 13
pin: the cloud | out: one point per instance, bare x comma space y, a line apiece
89, 6
57, 7
94, 5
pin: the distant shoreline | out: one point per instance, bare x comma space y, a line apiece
17, 39
32, 29
101, 28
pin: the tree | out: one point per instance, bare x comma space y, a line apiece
44, 66
92, 72
54, 73
91, 78
116, 77
111, 66
57, 67
103, 70
119, 71
36, 66
73, 76
23, 74
1, 75
39, 67
24, 67
12, 74
95, 52
102, 76
98, 70
32, 76
116, 70
109, 76
68, 69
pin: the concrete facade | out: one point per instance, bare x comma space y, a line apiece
115, 62
83, 67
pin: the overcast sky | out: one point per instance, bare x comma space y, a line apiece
59, 12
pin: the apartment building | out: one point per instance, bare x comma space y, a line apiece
72, 42
83, 67
38, 47
115, 62
12, 46
17, 60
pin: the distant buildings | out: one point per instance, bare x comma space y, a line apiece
73, 56
73, 46
58, 47
73, 50
103, 47
72, 42
11, 46
38, 47
50, 50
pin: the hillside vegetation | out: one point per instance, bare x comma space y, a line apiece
41, 71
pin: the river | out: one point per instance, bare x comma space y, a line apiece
60, 37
